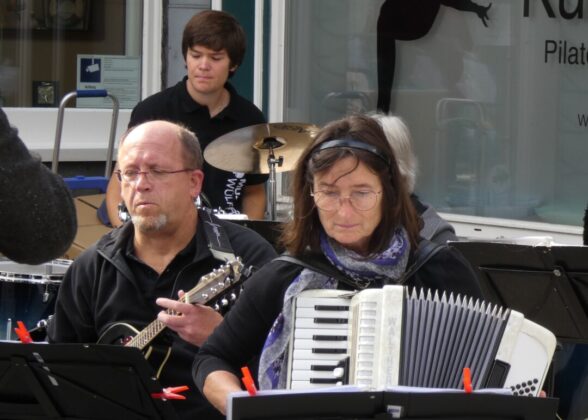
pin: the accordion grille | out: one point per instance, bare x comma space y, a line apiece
444, 334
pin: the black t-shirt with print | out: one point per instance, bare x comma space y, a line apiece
222, 188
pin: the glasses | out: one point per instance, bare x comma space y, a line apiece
359, 200
132, 175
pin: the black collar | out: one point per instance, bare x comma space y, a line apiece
190, 105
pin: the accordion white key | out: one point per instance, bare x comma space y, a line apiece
381, 338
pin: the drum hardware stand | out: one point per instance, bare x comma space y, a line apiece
8, 328
271, 143
244, 150
46, 294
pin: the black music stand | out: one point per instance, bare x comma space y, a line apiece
386, 405
549, 285
77, 381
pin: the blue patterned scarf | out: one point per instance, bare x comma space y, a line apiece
384, 268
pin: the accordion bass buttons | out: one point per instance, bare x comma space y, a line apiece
525, 389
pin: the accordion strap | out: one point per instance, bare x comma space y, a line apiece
318, 263
425, 250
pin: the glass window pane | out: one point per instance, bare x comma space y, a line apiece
43, 42
495, 99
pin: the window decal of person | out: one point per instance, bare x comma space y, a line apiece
408, 20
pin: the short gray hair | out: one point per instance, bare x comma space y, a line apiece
192, 151
400, 140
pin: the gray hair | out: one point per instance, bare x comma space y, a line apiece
400, 140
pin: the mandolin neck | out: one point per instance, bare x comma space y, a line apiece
147, 334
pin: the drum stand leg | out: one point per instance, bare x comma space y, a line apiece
271, 163
8, 328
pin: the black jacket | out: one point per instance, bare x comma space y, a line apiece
100, 289
244, 330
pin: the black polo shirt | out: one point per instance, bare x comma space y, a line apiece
154, 284
223, 189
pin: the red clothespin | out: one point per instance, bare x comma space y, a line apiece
171, 393
467, 380
248, 381
22, 333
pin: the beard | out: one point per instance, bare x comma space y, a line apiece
149, 224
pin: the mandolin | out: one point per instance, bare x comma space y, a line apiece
219, 289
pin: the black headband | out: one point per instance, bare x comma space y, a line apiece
353, 144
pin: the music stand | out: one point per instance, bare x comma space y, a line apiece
549, 285
77, 381
385, 405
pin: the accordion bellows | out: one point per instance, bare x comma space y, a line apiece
379, 338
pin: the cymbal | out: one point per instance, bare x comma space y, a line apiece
247, 149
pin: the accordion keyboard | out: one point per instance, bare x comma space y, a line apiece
320, 341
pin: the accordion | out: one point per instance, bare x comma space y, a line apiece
380, 338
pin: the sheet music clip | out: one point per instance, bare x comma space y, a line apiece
22, 333
467, 380
171, 393
248, 381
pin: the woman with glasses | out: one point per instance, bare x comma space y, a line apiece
353, 210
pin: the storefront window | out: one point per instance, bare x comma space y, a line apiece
495, 98
51, 47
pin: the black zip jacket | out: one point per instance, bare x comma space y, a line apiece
101, 288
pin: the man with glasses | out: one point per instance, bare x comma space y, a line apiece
133, 272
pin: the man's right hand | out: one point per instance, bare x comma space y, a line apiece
193, 323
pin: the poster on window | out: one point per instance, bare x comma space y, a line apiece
118, 75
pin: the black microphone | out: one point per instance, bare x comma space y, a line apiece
37, 214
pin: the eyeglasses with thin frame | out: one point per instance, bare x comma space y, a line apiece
362, 200
154, 174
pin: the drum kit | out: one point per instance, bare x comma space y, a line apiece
28, 293
262, 149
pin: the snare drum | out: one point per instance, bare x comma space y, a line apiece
27, 293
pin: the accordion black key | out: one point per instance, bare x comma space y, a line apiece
379, 338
